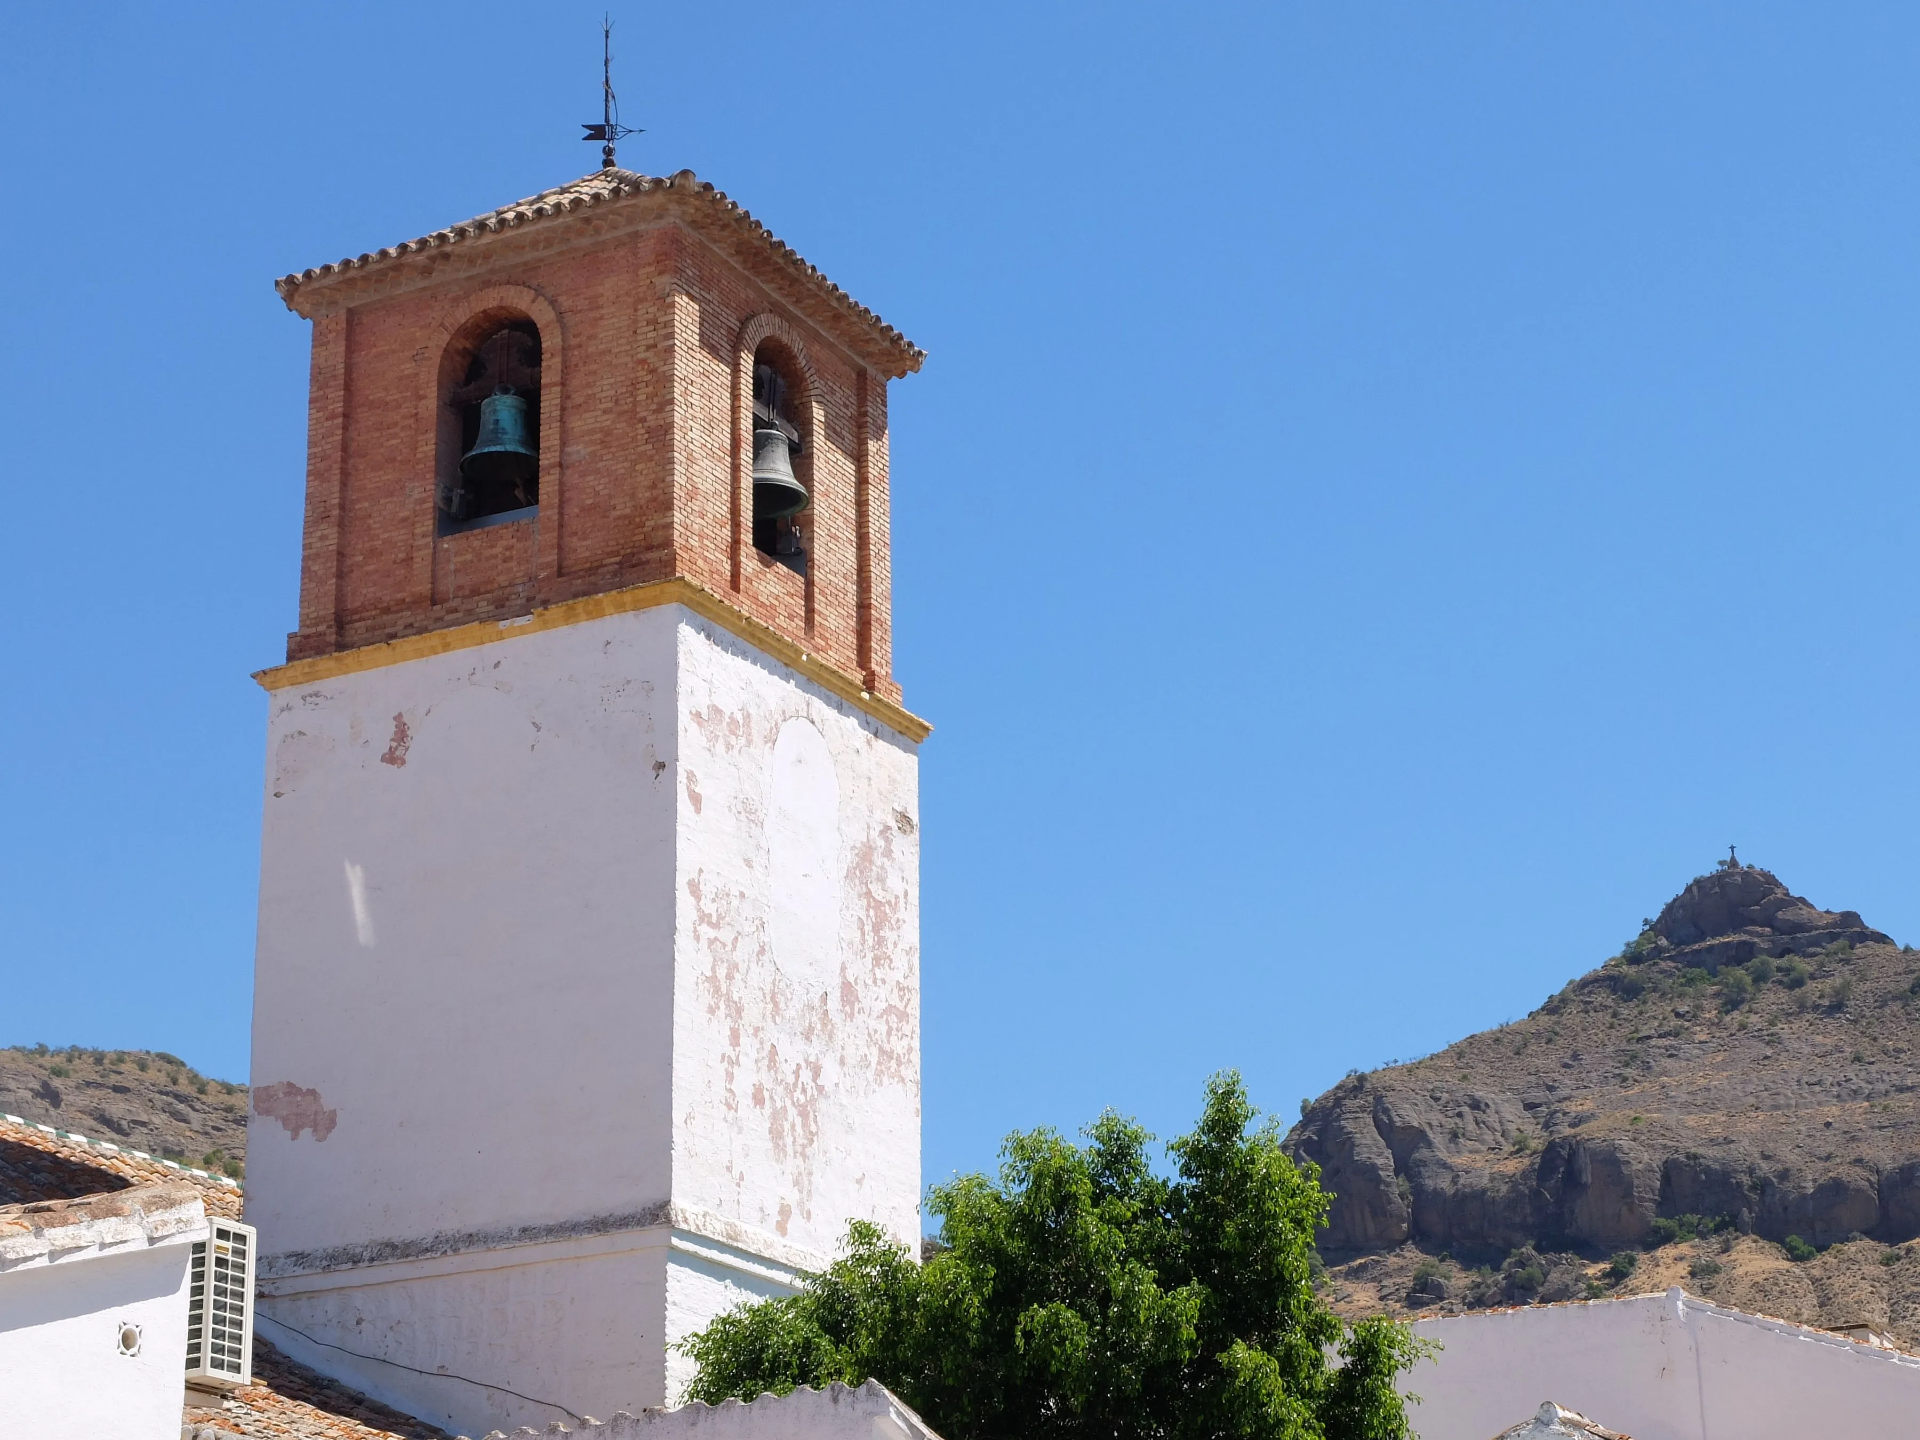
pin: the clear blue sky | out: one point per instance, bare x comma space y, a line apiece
1396, 489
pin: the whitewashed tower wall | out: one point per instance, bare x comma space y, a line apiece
587, 1006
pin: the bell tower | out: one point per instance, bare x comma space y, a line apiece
587, 989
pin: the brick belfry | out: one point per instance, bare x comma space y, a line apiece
587, 991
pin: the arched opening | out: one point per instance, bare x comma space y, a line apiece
782, 462
489, 461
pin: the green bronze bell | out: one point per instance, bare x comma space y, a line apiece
776, 493
504, 455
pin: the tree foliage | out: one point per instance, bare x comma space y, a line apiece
1081, 1295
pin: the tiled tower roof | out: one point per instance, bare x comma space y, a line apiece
603, 193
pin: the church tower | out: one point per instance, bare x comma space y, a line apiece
587, 991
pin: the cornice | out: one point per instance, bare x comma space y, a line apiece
677, 591
608, 203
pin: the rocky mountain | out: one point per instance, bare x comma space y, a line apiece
1736, 1088
138, 1099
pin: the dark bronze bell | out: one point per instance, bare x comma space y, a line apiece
504, 454
776, 494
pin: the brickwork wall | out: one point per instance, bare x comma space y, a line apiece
647, 342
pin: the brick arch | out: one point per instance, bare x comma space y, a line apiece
769, 326
463, 309
456, 318
460, 315
753, 331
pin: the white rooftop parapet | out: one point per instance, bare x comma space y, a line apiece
839, 1412
1661, 1367
1554, 1422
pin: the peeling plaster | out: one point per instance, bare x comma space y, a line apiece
801, 942
396, 752
295, 1107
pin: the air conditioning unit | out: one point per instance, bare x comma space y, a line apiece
220, 1307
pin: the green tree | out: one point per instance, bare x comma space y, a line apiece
1080, 1295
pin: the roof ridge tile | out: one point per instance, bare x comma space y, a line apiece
598, 188
133, 1166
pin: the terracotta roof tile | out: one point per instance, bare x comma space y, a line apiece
288, 1399
48, 1175
102, 1223
610, 188
38, 1162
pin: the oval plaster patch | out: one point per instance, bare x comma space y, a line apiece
803, 855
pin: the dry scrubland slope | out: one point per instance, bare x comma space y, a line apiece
139, 1099
1734, 1090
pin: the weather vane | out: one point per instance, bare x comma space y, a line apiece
609, 129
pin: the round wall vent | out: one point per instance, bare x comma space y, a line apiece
129, 1338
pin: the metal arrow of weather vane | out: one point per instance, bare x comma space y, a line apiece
609, 129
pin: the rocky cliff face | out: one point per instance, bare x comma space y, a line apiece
1748, 1059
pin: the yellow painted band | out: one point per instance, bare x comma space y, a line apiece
678, 591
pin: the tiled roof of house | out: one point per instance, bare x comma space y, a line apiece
38, 1162
101, 1222
49, 1175
613, 188
287, 1399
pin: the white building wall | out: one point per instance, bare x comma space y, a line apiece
1659, 1367
522, 1335
462, 1008
63, 1306
587, 1006
797, 1025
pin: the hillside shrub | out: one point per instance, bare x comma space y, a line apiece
1736, 988
1635, 950
1671, 1230
1622, 1265
1523, 1273
1794, 974
1798, 1249
1760, 969
1631, 986
1429, 1281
